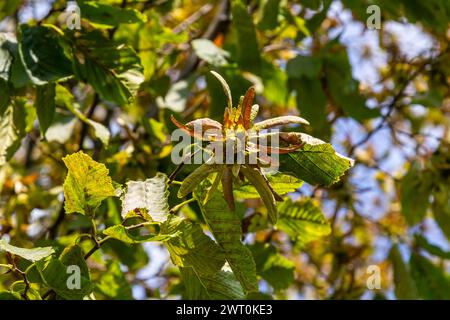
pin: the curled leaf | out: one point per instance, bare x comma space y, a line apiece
225, 87
260, 183
197, 176
247, 106
269, 123
227, 186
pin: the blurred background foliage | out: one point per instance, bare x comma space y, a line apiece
380, 96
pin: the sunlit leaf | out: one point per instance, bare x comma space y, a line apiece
126, 235
192, 248
280, 183
219, 286
87, 183
302, 220
225, 225
12, 129
316, 162
113, 284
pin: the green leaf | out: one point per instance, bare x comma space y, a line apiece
272, 266
20, 286
8, 7
12, 129
441, 207
197, 176
12, 70
270, 12
151, 194
305, 79
342, 87
201, 261
33, 255
155, 129
226, 228
302, 220
114, 70
415, 193
100, 14
42, 54
280, 183
430, 280
274, 80
176, 97
316, 163
216, 90
100, 131
4, 96
208, 51
8, 295
6, 57
113, 283
57, 275
311, 103
65, 98
248, 52
219, 286
432, 14
132, 256
127, 235
404, 285
87, 183
45, 105
315, 22
73, 255
256, 178
423, 243
192, 248
304, 66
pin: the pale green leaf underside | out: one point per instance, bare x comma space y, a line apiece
9, 134
33, 255
150, 194
208, 51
